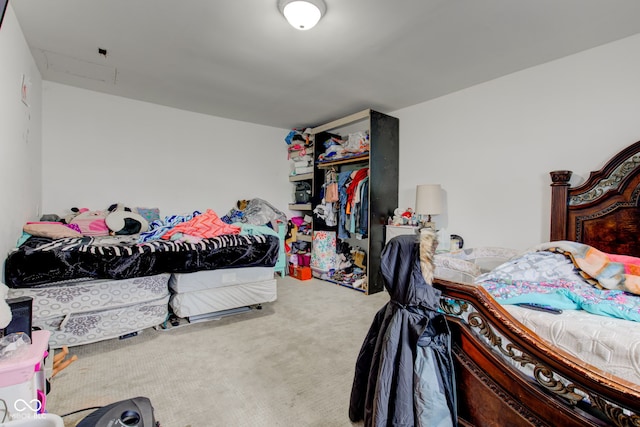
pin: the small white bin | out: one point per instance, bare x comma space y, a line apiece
40, 420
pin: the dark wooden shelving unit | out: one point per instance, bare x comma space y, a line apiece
383, 163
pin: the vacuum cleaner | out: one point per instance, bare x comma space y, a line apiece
136, 412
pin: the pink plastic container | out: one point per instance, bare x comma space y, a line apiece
21, 369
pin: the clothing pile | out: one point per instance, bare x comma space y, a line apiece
298, 226
299, 251
303, 223
300, 254
356, 144
299, 153
255, 212
297, 137
351, 266
301, 164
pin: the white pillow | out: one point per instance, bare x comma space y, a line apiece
535, 267
466, 265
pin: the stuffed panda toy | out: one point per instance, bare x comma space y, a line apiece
122, 221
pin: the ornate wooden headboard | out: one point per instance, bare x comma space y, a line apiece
488, 342
604, 211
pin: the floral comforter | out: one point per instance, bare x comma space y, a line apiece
552, 277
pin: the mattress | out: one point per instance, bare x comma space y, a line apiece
612, 345
82, 312
214, 299
88, 327
81, 296
189, 282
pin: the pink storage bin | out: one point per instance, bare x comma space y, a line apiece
304, 260
21, 369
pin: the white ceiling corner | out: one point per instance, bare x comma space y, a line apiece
230, 60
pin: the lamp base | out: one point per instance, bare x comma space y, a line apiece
428, 224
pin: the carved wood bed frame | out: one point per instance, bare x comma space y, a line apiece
488, 343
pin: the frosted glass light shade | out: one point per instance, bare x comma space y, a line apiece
429, 199
302, 14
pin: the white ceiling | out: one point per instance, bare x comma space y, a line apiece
240, 59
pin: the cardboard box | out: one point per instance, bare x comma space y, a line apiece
300, 273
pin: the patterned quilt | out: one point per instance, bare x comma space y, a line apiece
610, 271
564, 280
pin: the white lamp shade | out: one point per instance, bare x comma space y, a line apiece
429, 199
302, 15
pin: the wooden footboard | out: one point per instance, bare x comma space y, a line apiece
507, 376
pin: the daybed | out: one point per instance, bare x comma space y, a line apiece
91, 288
509, 371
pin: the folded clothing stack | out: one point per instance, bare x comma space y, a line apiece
302, 165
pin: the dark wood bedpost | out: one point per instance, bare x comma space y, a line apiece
559, 204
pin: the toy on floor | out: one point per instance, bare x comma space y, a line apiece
60, 360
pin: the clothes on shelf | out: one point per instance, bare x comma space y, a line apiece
338, 262
302, 164
296, 227
300, 149
351, 266
300, 254
298, 251
354, 145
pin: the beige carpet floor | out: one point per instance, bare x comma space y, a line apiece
289, 364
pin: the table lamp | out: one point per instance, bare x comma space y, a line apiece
428, 202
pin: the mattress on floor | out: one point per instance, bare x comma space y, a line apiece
189, 282
187, 304
75, 296
84, 328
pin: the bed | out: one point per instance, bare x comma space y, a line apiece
91, 288
86, 311
211, 292
515, 366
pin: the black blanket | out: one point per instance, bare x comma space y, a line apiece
41, 260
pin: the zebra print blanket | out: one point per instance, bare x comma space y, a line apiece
41, 260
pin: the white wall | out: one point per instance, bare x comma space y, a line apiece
100, 149
492, 146
20, 134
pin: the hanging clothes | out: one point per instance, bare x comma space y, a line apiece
361, 213
331, 186
343, 183
404, 372
356, 177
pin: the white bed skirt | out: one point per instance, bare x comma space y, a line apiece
203, 292
188, 282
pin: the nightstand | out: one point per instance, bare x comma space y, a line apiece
392, 231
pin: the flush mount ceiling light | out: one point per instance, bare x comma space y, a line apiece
302, 14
